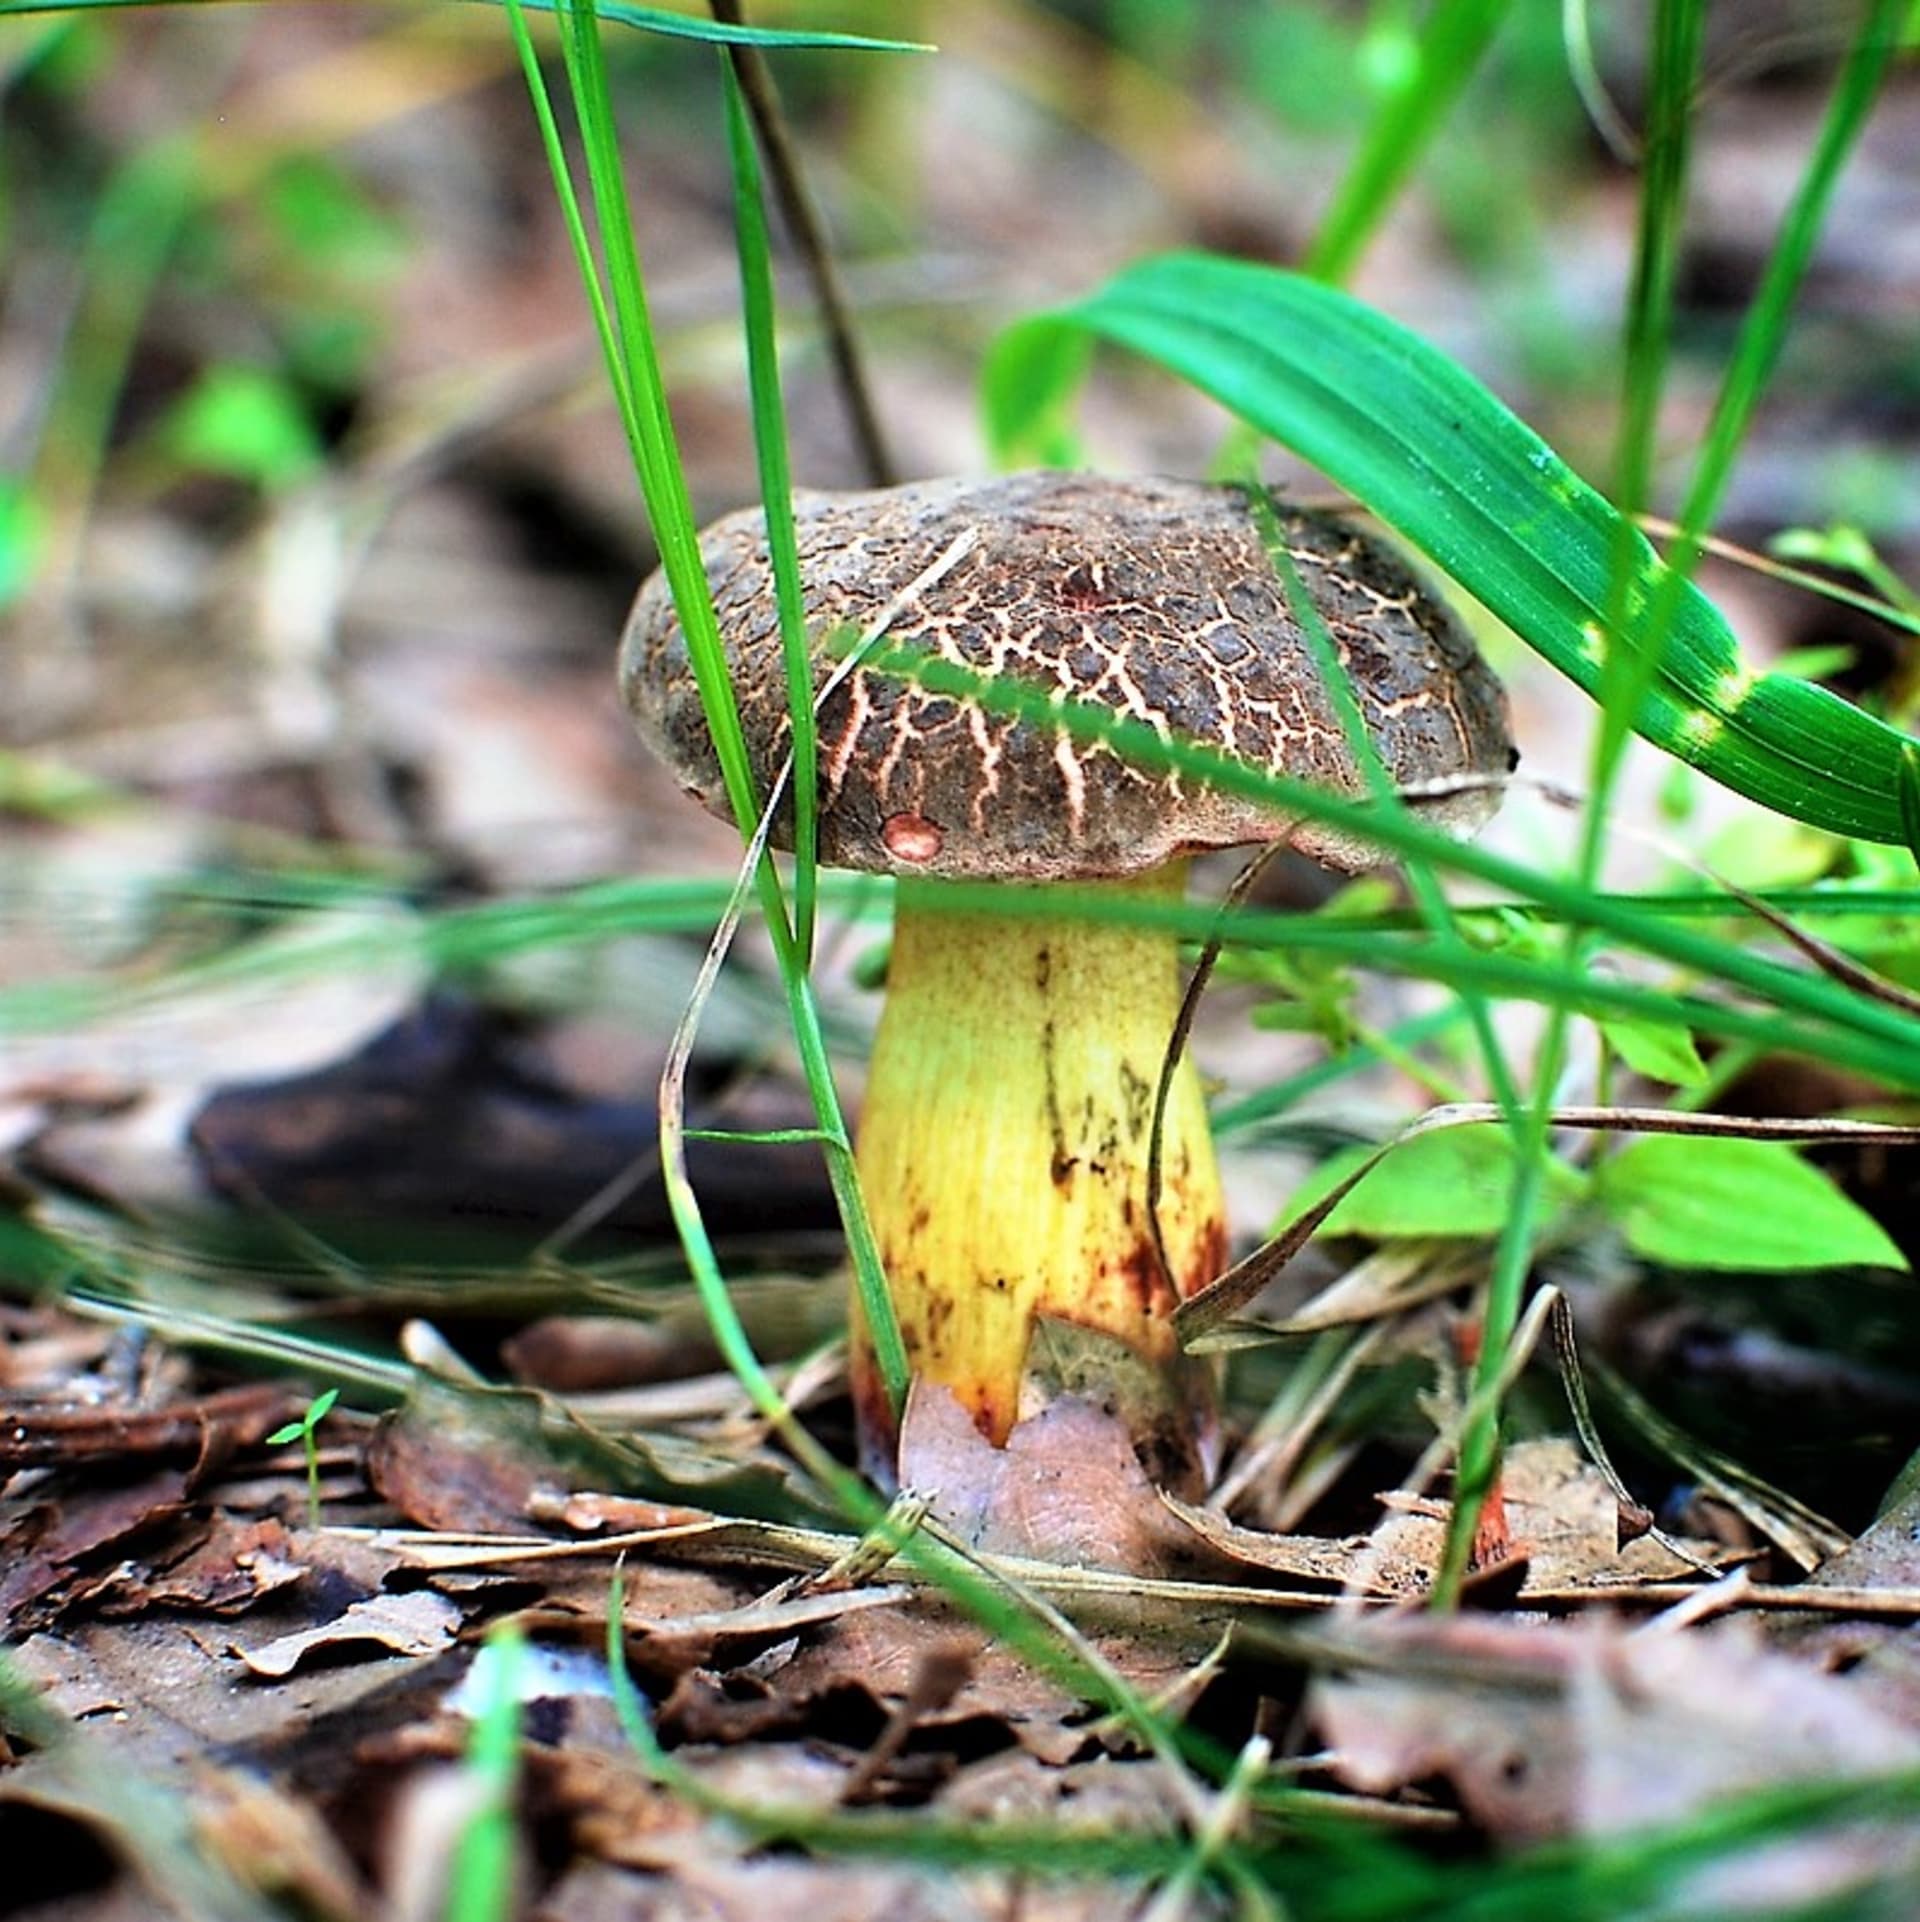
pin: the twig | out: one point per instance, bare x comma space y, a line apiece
803, 224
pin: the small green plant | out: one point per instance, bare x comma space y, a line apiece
318, 1409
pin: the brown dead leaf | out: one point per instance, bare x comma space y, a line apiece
442, 1483
278, 1844
1067, 1487
48, 1543
418, 1623
1665, 1724
469, 1460
590, 1514
1306, 1558
1473, 1701
230, 1568
1546, 1731
1003, 1698
668, 1644
1886, 1555
1566, 1525
611, 1810
1101, 1793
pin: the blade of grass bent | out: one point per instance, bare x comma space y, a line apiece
569, 204
1514, 1254
1425, 446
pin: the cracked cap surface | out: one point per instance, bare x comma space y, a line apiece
1156, 598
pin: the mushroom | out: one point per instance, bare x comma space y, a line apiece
1004, 1141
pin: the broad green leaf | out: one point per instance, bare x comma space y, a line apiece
1660, 1050
1456, 1181
1693, 1202
1425, 446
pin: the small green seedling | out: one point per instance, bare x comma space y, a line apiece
301, 1431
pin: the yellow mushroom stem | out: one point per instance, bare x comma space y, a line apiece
1004, 1148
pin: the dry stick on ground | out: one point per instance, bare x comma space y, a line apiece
802, 220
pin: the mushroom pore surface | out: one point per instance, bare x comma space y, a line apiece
1155, 598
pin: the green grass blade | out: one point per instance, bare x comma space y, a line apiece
1433, 453
641, 390
481, 1887
641, 386
776, 493
673, 26
1679, 29
1422, 882
569, 203
1631, 660
1452, 40
1731, 965
1765, 324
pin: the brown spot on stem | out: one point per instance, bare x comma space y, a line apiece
1209, 1261
1142, 1282
1062, 1162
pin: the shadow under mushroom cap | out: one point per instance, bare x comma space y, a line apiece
1153, 597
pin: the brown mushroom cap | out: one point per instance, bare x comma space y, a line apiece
1155, 597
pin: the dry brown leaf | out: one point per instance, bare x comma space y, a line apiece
419, 1623
49, 1542
1306, 1558
1580, 1728
1067, 1487
1564, 1519
279, 1845
443, 1475
591, 1514
232, 1567
1666, 1724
